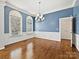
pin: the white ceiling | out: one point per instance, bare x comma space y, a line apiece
46, 6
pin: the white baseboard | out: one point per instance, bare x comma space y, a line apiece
48, 35
77, 41
2, 48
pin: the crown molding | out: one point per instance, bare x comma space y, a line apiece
17, 8
58, 9
2, 3
74, 3
71, 6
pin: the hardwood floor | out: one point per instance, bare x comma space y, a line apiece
37, 48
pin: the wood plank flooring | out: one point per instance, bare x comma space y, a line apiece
36, 48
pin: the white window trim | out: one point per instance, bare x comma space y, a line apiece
31, 26
10, 25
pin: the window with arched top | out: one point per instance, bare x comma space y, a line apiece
15, 23
29, 24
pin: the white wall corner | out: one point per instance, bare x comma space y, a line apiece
74, 3
2, 47
77, 41
3, 40
2, 4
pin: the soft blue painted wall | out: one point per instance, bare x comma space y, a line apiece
33, 23
6, 19
23, 22
76, 15
51, 22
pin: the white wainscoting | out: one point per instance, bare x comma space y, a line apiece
2, 40
6, 39
77, 41
48, 35
18, 38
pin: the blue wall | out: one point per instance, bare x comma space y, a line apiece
51, 22
23, 21
76, 16
6, 19
33, 23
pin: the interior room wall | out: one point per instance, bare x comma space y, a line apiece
49, 28
6, 19
51, 21
5, 38
76, 16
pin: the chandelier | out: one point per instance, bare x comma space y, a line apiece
39, 17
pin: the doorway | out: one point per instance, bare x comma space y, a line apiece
66, 29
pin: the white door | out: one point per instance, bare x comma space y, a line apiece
66, 28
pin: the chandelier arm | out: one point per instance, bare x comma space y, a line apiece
39, 16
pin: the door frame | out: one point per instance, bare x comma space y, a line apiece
60, 27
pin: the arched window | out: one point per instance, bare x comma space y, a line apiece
15, 23
29, 24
